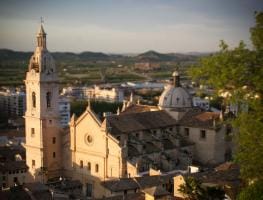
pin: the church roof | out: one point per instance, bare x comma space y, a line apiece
156, 191
121, 184
196, 117
132, 151
140, 121
129, 196
168, 144
135, 108
151, 148
175, 97
143, 182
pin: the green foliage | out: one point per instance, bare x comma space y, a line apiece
253, 192
216, 102
194, 191
78, 107
239, 72
101, 106
215, 193
230, 70
257, 32
250, 143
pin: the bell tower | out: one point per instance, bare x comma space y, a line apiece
43, 136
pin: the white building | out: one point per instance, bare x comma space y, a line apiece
77, 92
12, 102
64, 110
100, 93
110, 94
201, 103
143, 85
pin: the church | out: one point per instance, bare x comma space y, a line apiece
138, 139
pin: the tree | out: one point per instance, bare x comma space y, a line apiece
192, 189
238, 73
257, 32
253, 192
78, 107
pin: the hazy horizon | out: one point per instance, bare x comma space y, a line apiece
127, 26
114, 53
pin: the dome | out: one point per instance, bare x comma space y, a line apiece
175, 96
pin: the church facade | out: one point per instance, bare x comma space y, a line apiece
136, 140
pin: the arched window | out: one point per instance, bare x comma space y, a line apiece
97, 168
48, 98
89, 166
33, 99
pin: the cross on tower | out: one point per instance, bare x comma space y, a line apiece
41, 20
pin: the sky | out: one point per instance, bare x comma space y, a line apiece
127, 26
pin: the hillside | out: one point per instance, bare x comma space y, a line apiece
93, 67
10, 55
160, 57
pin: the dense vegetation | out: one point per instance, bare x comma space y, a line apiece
99, 107
193, 190
238, 73
91, 67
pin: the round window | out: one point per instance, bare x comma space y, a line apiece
88, 139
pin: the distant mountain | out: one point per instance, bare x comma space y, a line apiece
7, 55
154, 56
87, 55
65, 56
10, 55
84, 56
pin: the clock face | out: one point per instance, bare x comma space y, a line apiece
88, 139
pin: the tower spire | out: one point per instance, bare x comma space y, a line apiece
41, 20
41, 35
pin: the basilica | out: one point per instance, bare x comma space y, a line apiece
138, 139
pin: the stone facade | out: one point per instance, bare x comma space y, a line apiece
43, 137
